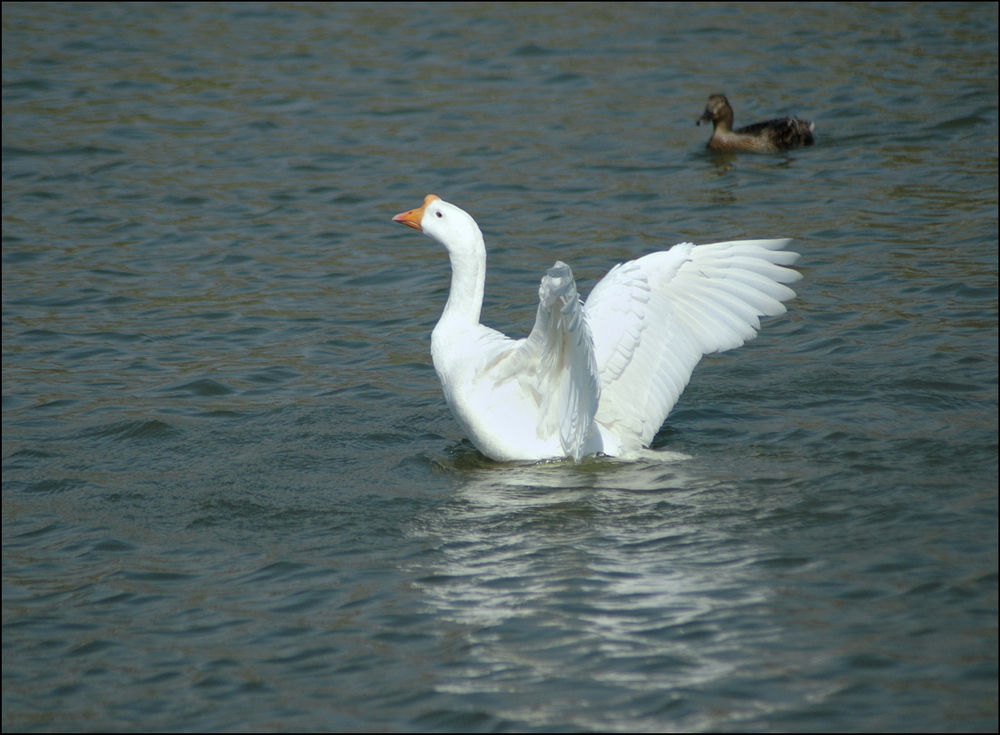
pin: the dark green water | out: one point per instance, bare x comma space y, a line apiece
234, 499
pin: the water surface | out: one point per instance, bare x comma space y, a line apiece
234, 499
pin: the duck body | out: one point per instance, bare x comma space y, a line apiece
772, 136
598, 377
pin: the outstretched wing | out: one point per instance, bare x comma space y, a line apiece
653, 318
556, 363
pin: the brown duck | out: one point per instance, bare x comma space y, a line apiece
772, 136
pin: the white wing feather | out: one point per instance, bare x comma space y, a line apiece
653, 318
555, 364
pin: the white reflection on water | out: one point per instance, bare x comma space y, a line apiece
560, 568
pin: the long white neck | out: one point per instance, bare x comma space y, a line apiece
468, 279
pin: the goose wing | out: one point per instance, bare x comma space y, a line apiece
556, 365
653, 318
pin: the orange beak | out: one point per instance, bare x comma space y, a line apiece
414, 216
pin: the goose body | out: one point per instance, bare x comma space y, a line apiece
600, 376
780, 134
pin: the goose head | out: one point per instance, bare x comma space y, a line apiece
452, 227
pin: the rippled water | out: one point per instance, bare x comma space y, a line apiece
234, 499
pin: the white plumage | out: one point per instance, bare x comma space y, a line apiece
600, 376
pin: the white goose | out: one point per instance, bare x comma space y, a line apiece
601, 376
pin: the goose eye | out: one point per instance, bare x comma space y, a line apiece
439, 215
